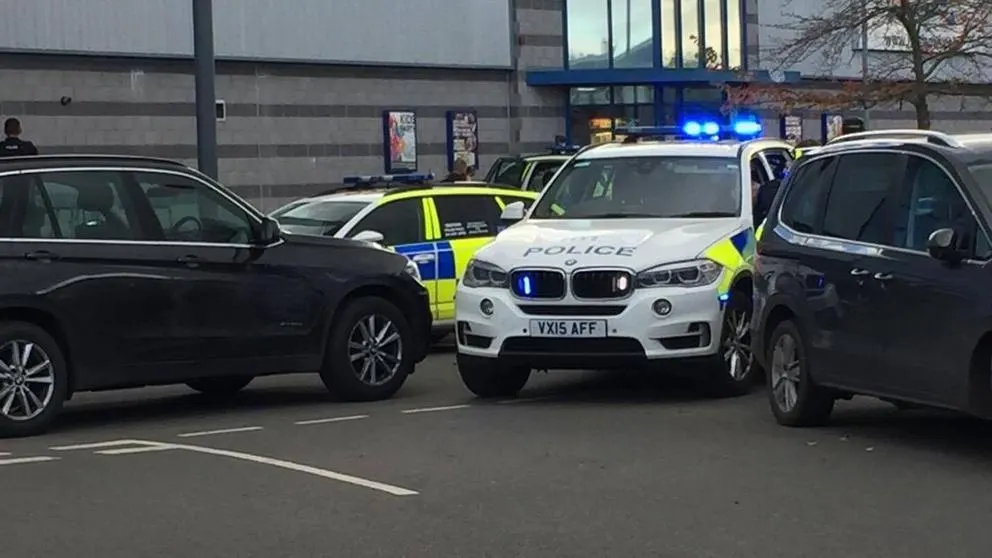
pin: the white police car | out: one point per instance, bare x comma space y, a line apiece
636, 254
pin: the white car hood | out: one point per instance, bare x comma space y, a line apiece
631, 243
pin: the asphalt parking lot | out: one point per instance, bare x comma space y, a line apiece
584, 464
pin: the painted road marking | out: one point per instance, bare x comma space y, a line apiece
434, 409
327, 420
4, 453
224, 431
20, 460
128, 451
118, 447
97, 445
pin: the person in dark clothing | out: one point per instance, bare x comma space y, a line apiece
13, 145
763, 200
459, 173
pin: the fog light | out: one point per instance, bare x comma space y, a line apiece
486, 307
662, 307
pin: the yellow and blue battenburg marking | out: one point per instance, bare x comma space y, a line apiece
736, 255
441, 267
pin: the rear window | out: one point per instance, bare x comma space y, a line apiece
321, 218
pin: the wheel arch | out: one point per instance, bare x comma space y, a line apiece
979, 384
51, 323
380, 289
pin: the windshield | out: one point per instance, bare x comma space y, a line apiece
633, 187
320, 218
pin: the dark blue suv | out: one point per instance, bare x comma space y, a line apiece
873, 278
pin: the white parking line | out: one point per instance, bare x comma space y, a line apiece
20, 460
4, 453
97, 445
434, 409
224, 431
129, 451
327, 420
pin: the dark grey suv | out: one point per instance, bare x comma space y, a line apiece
872, 276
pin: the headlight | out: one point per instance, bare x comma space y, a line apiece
484, 274
682, 274
412, 269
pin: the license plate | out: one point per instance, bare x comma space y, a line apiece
568, 328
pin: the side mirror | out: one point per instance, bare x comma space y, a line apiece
374, 237
943, 245
513, 212
269, 232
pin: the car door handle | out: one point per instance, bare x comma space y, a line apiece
189, 260
883, 277
858, 272
423, 258
41, 256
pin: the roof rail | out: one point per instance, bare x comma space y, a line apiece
75, 156
937, 138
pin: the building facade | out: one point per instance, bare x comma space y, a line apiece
303, 92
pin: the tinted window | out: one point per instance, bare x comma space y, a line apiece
190, 211
932, 202
318, 217
467, 216
856, 205
644, 187
804, 202
543, 171
507, 171
88, 205
399, 222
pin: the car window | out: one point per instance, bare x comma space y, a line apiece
509, 198
932, 201
399, 222
644, 187
190, 211
88, 205
507, 171
856, 207
758, 173
543, 171
778, 160
467, 216
803, 204
318, 217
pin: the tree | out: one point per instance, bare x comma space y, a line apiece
917, 49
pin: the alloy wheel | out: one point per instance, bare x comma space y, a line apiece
785, 373
375, 350
737, 344
27, 380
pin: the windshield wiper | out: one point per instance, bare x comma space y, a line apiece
702, 214
617, 215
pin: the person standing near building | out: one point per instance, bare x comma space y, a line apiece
13, 145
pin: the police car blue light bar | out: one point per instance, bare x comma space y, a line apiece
385, 179
563, 149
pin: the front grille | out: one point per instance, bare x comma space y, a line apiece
601, 346
537, 283
572, 309
602, 284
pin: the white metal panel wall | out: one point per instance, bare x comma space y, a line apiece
418, 32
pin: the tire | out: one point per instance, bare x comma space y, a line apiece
220, 386
731, 371
811, 404
371, 377
487, 378
16, 385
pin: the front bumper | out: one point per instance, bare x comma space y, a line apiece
634, 334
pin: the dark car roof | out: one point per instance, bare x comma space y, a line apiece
68, 160
967, 148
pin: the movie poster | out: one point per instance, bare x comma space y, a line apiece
400, 138
463, 138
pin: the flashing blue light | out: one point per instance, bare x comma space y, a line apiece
385, 179
692, 129
747, 128
724, 297
524, 286
564, 149
711, 128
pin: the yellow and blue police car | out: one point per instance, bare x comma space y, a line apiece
637, 254
438, 226
530, 172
